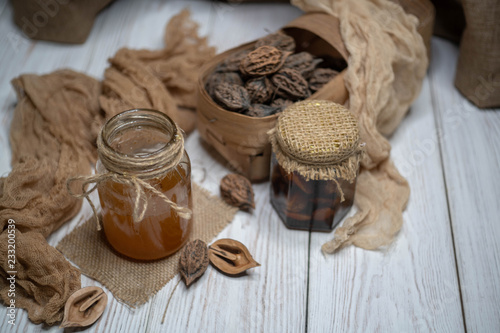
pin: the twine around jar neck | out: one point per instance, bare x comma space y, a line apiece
135, 171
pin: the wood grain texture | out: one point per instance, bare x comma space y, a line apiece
264, 302
411, 286
469, 140
272, 297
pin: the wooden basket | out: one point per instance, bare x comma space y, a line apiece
242, 140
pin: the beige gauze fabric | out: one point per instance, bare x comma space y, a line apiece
164, 80
52, 137
386, 67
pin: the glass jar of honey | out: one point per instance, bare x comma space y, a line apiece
315, 162
146, 192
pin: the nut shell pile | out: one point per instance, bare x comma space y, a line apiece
266, 79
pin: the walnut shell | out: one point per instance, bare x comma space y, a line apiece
281, 103
237, 191
302, 62
320, 77
84, 307
279, 40
193, 261
232, 62
262, 110
290, 84
232, 97
259, 89
217, 78
230, 256
262, 61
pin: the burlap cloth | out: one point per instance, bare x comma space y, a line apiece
386, 67
57, 20
478, 67
472, 23
134, 282
319, 140
53, 135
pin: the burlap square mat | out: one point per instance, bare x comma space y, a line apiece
134, 282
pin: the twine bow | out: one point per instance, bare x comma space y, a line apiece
130, 170
140, 195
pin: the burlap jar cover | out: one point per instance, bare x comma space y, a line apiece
242, 140
319, 140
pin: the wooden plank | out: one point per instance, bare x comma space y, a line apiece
13, 50
412, 285
41, 57
471, 157
118, 26
272, 297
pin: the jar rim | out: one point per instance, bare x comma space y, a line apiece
145, 165
113, 127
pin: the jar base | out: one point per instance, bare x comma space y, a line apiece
311, 224
146, 258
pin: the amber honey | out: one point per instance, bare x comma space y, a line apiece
161, 232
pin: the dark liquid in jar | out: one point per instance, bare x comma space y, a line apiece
309, 205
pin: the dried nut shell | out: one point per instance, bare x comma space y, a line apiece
296, 203
323, 202
291, 84
84, 307
302, 62
281, 103
262, 110
320, 77
193, 261
263, 61
217, 78
279, 40
232, 63
230, 256
237, 191
328, 188
279, 183
297, 216
232, 97
306, 186
259, 89
323, 214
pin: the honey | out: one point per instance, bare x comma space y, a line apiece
161, 231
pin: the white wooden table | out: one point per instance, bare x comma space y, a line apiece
441, 274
